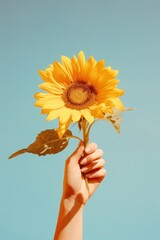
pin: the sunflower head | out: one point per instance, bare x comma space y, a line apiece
78, 88
79, 95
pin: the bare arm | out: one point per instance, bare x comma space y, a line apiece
75, 194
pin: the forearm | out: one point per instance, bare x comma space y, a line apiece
69, 224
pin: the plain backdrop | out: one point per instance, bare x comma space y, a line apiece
35, 33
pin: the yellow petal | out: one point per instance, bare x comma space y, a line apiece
53, 104
110, 72
109, 94
96, 111
46, 111
44, 75
75, 68
64, 121
66, 114
39, 95
81, 59
63, 127
67, 64
92, 61
86, 113
118, 104
54, 114
61, 74
100, 65
50, 103
76, 115
51, 88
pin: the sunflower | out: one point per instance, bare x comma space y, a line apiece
78, 89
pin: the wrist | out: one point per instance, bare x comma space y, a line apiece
70, 202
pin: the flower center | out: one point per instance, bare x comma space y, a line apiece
79, 95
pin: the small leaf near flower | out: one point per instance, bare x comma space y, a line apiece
116, 118
47, 142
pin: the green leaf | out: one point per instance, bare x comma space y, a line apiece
47, 142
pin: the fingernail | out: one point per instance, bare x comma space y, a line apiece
88, 150
84, 169
83, 161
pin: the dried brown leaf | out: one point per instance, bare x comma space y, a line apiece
47, 142
116, 118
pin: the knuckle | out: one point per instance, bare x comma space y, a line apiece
104, 172
103, 162
89, 159
93, 145
100, 152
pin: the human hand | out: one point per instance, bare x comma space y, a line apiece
83, 163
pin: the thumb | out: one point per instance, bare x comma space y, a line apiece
78, 153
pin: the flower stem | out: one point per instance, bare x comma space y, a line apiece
89, 128
76, 138
85, 140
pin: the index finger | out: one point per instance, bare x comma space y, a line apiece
92, 147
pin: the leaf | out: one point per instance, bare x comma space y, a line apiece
47, 142
116, 118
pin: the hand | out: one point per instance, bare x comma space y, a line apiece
83, 163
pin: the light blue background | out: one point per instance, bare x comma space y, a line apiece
33, 34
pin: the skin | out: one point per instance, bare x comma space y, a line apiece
83, 163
